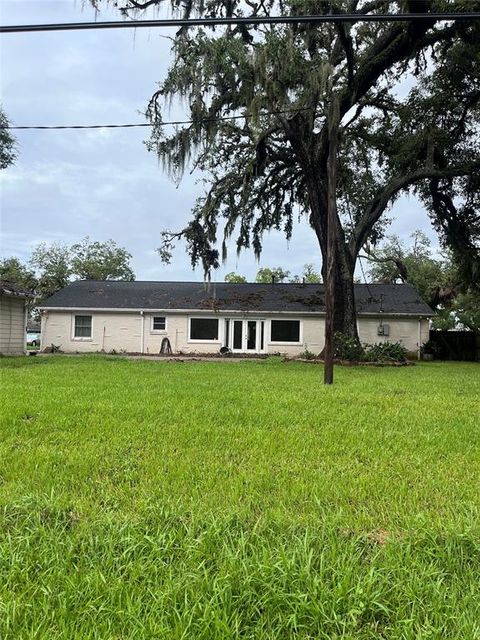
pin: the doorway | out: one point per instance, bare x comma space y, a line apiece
245, 336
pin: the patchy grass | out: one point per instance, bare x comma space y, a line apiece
143, 499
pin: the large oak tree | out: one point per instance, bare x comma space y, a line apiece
399, 101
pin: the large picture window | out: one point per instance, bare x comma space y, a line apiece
204, 329
158, 323
285, 331
83, 327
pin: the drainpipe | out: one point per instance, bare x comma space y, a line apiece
43, 327
25, 326
142, 332
419, 338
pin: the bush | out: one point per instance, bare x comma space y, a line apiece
348, 348
385, 352
306, 354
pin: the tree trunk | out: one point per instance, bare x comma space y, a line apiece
345, 317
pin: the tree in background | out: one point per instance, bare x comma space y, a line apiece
278, 274
440, 280
310, 275
53, 266
12, 270
309, 91
7, 143
100, 261
266, 275
394, 261
235, 278
466, 307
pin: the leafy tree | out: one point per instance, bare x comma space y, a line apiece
395, 262
305, 91
100, 261
466, 307
57, 264
52, 264
7, 143
12, 270
235, 278
439, 280
310, 275
266, 275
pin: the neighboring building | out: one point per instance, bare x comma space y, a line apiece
136, 317
13, 318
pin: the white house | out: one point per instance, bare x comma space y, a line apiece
13, 319
137, 317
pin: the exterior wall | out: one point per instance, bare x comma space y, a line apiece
110, 331
411, 332
12, 325
133, 332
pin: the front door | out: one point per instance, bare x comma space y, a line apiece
245, 336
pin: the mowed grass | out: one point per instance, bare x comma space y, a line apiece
143, 499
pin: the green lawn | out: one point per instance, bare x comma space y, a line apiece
143, 499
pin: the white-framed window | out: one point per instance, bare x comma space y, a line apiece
82, 327
203, 330
159, 323
285, 331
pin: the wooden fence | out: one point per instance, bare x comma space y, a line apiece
456, 345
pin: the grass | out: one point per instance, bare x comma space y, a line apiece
205, 500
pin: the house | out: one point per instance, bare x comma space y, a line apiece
195, 317
13, 318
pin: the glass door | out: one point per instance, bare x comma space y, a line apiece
242, 336
237, 335
251, 335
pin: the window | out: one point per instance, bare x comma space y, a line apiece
203, 329
285, 331
158, 323
83, 327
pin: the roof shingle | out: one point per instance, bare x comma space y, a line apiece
223, 296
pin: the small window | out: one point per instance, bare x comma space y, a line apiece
203, 329
285, 331
158, 323
83, 327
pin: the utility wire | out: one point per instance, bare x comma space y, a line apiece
149, 124
252, 21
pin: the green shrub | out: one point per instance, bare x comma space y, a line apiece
306, 354
348, 348
385, 352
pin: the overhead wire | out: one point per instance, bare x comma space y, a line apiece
239, 21
161, 124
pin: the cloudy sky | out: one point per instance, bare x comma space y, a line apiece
103, 183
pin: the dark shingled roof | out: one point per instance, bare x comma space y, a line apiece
223, 296
8, 288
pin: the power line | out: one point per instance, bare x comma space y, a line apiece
149, 124
252, 21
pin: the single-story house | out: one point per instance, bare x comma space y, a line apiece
196, 317
13, 318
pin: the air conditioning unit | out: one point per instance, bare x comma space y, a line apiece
383, 330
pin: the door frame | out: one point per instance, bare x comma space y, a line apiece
260, 325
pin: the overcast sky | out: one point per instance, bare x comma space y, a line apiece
103, 183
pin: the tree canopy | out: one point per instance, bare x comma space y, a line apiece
439, 279
7, 143
400, 102
278, 274
53, 265
93, 260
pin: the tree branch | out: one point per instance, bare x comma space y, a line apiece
390, 190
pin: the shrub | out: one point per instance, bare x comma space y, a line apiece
385, 352
306, 354
348, 348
